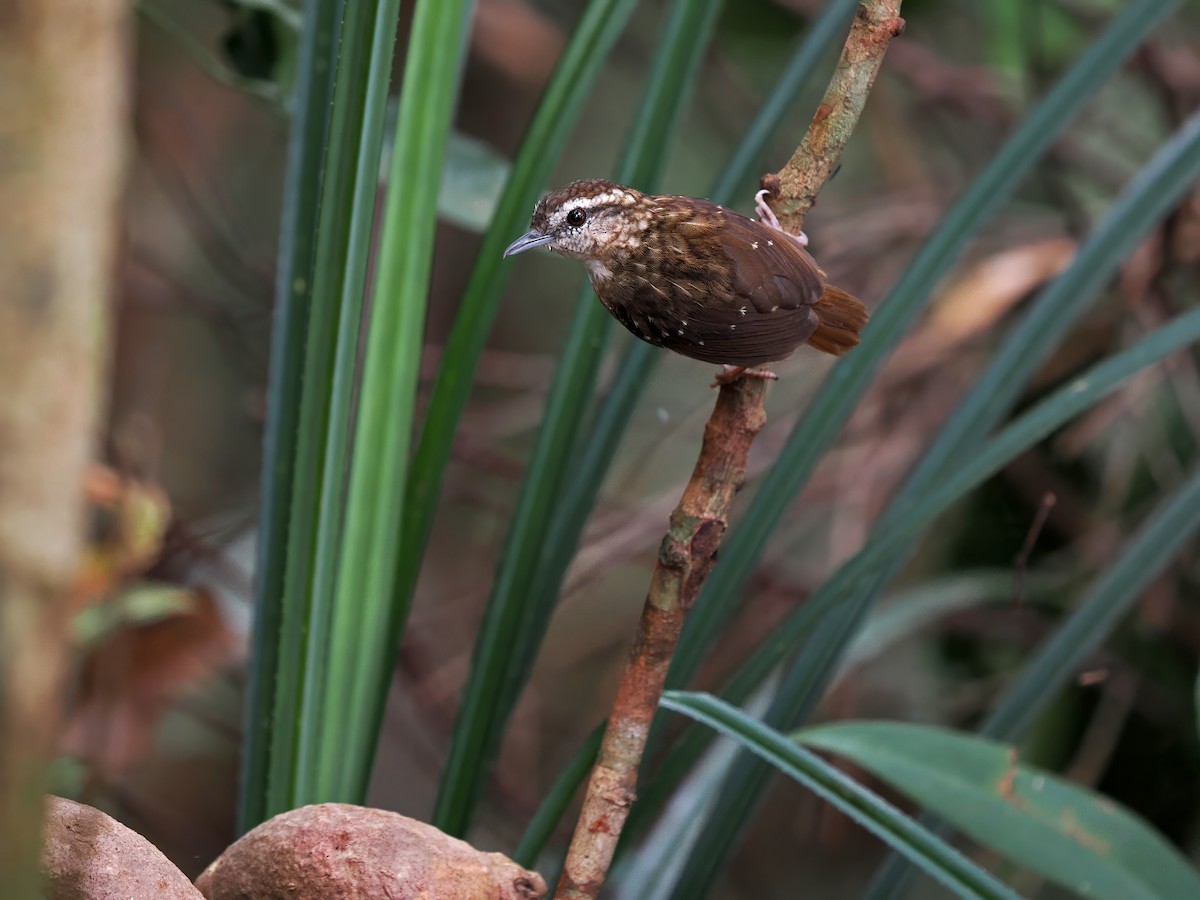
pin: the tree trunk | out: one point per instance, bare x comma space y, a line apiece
63, 78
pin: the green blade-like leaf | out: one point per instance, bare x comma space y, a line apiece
316, 764
301, 200
342, 198
1148, 197
1113, 594
323, 170
923, 848
505, 638
561, 104
745, 783
367, 615
915, 608
549, 537
850, 378
578, 493
1069, 834
1157, 187
578, 496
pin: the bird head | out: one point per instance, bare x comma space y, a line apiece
592, 220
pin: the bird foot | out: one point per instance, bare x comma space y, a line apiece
767, 216
730, 374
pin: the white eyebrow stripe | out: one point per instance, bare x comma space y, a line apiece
615, 197
608, 198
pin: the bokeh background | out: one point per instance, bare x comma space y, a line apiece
164, 610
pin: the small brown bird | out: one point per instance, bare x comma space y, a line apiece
694, 277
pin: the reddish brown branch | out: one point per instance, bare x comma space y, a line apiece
697, 525
685, 557
795, 188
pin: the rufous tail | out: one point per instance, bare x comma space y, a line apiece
842, 318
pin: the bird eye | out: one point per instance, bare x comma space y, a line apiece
576, 217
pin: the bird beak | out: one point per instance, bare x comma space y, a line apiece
529, 240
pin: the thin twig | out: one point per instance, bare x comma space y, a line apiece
795, 187
685, 557
1021, 562
697, 525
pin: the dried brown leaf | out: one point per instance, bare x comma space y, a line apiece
129, 681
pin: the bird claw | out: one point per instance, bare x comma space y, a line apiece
730, 374
766, 215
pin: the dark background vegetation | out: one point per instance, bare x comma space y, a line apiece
154, 730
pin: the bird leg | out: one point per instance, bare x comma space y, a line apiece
730, 374
767, 216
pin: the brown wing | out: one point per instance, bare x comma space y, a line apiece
726, 337
727, 289
770, 269
774, 284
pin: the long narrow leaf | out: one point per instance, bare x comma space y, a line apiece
1056, 309
805, 681
824, 36
1158, 541
1158, 187
316, 766
869, 810
369, 614
850, 378
554, 478
504, 640
1067, 833
270, 658
578, 495
746, 780
561, 104
304, 625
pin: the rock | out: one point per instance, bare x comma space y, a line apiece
87, 855
334, 851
